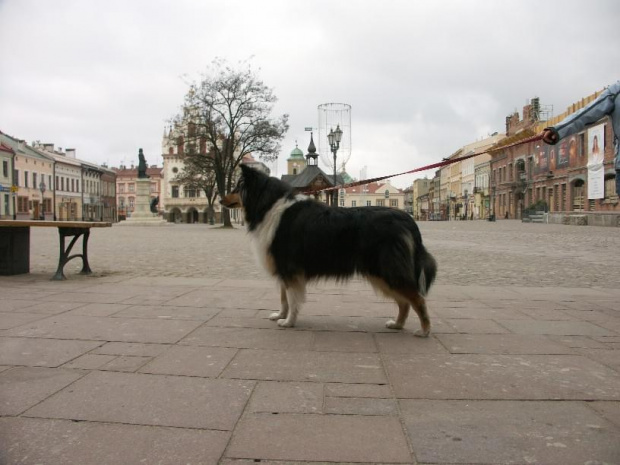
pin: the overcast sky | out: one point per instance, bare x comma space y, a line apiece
423, 78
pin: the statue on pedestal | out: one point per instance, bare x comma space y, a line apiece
142, 166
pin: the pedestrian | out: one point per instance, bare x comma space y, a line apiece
607, 103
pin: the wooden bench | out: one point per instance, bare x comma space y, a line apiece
15, 244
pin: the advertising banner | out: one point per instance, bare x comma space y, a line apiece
596, 153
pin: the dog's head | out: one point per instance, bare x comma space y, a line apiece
235, 198
256, 193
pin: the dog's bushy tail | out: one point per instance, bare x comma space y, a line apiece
427, 267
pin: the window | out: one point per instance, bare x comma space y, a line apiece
380, 203
121, 188
189, 192
354, 203
22, 204
342, 202
394, 203
62, 184
610, 187
132, 187
26, 178
175, 192
16, 174
369, 203
5, 169
387, 194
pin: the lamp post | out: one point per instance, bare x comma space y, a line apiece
334, 138
42, 189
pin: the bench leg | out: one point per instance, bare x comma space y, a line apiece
85, 267
65, 256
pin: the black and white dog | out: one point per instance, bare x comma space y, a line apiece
298, 239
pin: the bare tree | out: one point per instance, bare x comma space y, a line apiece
225, 117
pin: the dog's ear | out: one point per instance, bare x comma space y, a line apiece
246, 170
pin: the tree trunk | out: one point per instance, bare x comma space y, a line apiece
226, 218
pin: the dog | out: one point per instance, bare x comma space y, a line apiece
298, 239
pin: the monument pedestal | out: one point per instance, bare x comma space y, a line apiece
142, 215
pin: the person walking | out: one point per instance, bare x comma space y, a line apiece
605, 104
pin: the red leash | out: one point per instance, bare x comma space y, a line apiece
427, 167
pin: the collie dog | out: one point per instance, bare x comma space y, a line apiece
298, 239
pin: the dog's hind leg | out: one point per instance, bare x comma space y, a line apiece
419, 305
283, 313
403, 313
295, 295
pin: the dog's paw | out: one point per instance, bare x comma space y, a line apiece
285, 323
275, 316
391, 324
421, 333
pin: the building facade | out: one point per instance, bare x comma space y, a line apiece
33, 177
7, 160
535, 176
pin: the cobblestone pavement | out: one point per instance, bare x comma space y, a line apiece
468, 252
167, 355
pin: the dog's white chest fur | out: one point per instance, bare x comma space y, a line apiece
263, 235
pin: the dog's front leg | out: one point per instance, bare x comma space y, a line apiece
283, 313
295, 296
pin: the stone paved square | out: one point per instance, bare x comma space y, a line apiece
172, 359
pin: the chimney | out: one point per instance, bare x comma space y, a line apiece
70, 153
48, 147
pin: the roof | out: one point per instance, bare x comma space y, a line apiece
21, 148
372, 188
297, 154
308, 175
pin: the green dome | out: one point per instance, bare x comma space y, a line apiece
296, 154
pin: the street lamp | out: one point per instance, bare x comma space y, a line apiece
334, 138
42, 189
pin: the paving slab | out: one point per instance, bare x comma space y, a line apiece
42, 352
285, 397
126, 363
24, 387
143, 399
558, 328
207, 362
360, 406
340, 341
378, 391
133, 349
501, 377
89, 362
517, 344
339, 367
232, 298
62, 442
509, 432
610, 410
407, 343
476, 326
332, 438
250, 338
107, 329
15, 320
610, 358
167, 312
50, 308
